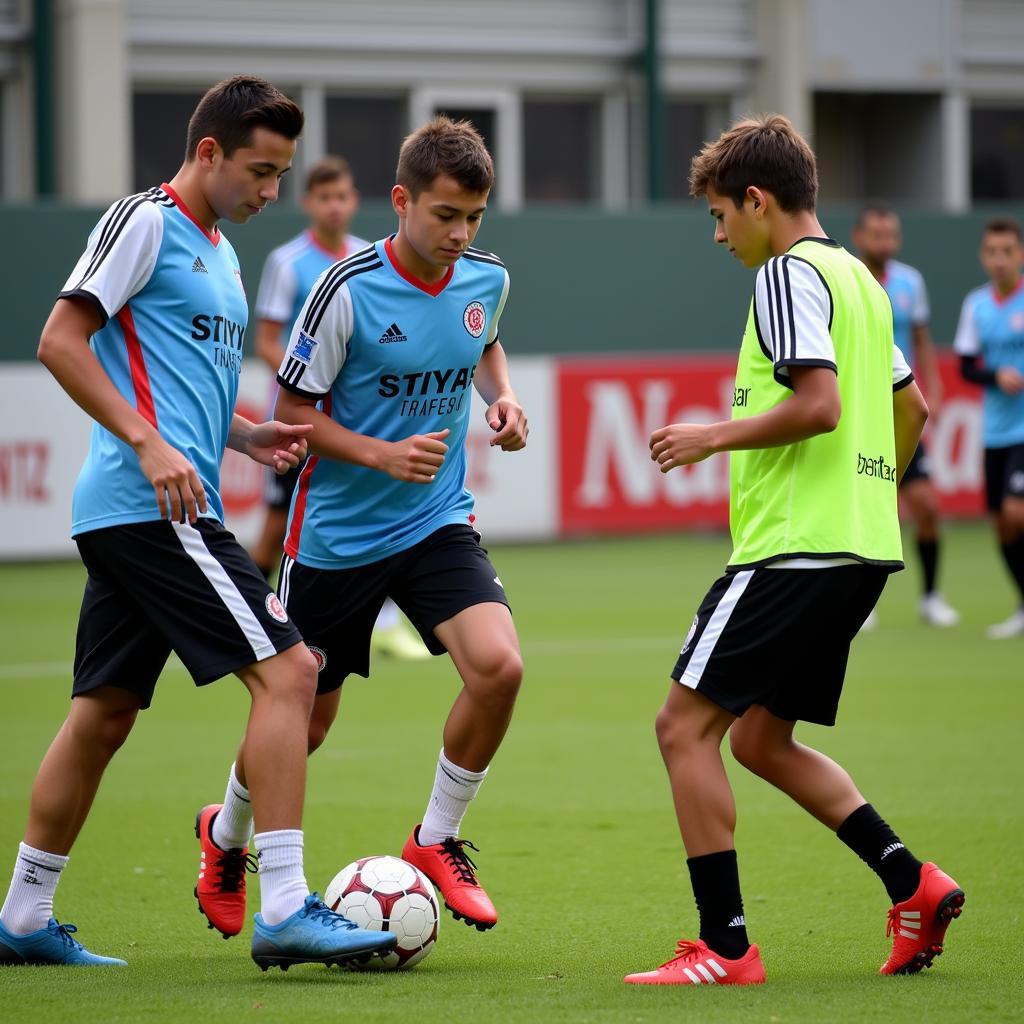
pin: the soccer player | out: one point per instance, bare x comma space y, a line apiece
877, 236
826, 417
990, 342
330, 201
146, 336
381, 361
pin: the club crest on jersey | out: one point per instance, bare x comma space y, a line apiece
1017, 322
275, 609
474, 319
304, 348
321, 659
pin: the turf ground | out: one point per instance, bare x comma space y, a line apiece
579, 844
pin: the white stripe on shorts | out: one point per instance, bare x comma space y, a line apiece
713, 630
192, 541
285, 579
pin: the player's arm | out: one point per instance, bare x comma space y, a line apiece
909, 414
504, 414
926, 363
813, 408
114, 267
282, 446
268, 342
967, 345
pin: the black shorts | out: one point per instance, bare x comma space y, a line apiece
160, 586
920, 467
1004, 475
433, 580
779, 638
278, 487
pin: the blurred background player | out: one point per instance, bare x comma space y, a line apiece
330, 202
877, 237
383, 359
990, 342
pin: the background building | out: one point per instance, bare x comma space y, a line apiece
921, 100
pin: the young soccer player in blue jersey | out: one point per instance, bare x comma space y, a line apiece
330, 201
826, 420
381, 361
147, 338
990, 342
877, 236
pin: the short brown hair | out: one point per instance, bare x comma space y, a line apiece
327, 168
1001, 224
445, 147
874, 208
232, 109
764, 151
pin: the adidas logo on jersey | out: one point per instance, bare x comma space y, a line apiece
391, 335
198, 268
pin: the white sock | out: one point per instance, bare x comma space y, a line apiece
388, 615
454, 788
283, 887
29, 903
233, 823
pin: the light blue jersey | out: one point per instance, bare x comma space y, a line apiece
171, 296
992, 327
289, 274
389, 356
909, 298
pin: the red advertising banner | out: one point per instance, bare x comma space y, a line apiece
607, 409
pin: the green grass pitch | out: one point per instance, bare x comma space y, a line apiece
579, 844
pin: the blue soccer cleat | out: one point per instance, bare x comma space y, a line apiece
315, 935
50, 945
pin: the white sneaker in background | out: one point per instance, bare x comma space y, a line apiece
936, 612
1013, 626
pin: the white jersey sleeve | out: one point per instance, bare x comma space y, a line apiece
920, 313
275, 299
492, 334
966, 342
901, 375
319, 340
119, 257
793, 311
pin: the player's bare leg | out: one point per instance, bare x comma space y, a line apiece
483, 645
1009, 527
924, 898
922, 503
65, 786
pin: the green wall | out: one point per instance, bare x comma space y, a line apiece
582, 280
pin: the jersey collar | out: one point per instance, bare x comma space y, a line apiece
335, 254
431, 289
815, 238
212, 237
1001, 299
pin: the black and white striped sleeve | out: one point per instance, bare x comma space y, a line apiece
120, 256
793, 311
319, 339
492, 333
275, 299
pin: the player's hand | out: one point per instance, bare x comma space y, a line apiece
282, 446
179, 491
507, 419
680, 444
416, 459
1010, 380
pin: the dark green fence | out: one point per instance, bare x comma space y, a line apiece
582, 281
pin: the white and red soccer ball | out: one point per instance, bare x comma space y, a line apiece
390, 895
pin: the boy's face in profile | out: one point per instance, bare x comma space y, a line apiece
743, 229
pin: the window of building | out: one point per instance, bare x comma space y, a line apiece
368, 131
689, 124
561, 150
159, 127
997, 153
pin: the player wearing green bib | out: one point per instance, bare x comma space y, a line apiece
826, 417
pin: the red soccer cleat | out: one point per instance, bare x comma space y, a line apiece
448, 866
918, 925
695, 964
221, 886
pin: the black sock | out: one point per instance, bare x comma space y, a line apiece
880, 848
716, 887
1013, 555
929, 553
